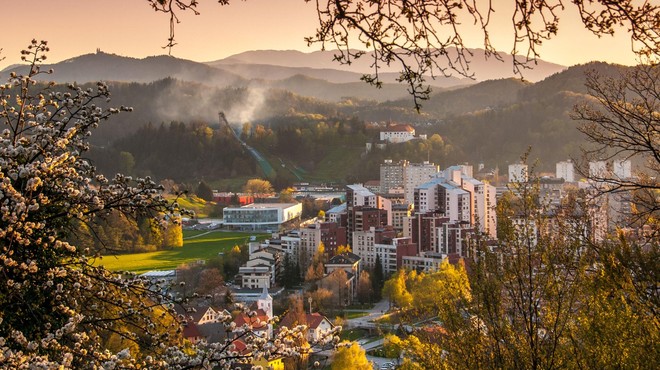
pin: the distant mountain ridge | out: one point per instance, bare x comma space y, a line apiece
483, 68
492, 121
310, 74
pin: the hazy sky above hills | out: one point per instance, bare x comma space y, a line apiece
132, 28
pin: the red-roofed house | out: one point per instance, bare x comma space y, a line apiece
317, 326
259, 323
192, 333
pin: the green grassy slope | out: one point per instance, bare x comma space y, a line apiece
336, 165
202, 247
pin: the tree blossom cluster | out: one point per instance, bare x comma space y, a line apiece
57, 309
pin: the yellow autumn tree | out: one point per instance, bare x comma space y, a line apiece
350, 356
395, 289
343, 249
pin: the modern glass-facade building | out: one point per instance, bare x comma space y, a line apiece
261, 216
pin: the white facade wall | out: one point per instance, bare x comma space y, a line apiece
363, 246
565, 170
458, 205
427, 199
483, 205
622, 168
416, 174
397, 136
363, 196
487, 209
387, 255
261, 214
518, 172
597, 169
291, 246
422, 263
256, 277
398, 215
310, 240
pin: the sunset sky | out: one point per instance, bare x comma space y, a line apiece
132, 28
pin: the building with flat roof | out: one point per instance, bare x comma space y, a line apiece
391, 175
261, 216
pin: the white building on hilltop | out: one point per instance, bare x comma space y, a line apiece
397, 133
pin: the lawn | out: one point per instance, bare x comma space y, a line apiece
201, 207
355, 314
197, 245
335, 165
353, 334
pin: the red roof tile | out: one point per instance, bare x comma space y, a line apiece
191, 331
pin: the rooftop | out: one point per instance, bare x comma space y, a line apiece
359, 189
398, 128
268, 205
347, 258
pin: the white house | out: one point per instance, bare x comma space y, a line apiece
397, 133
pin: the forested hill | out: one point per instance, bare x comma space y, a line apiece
316, 140
110, 67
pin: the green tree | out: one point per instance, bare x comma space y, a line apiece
126, 162
204, 191
350, 356
444, 288
378, 278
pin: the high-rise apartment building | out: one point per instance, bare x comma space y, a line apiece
365, 209
391, 175
416, 174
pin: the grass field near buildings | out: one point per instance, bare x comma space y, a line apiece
197, 245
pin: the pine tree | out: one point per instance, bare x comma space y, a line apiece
378, 279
